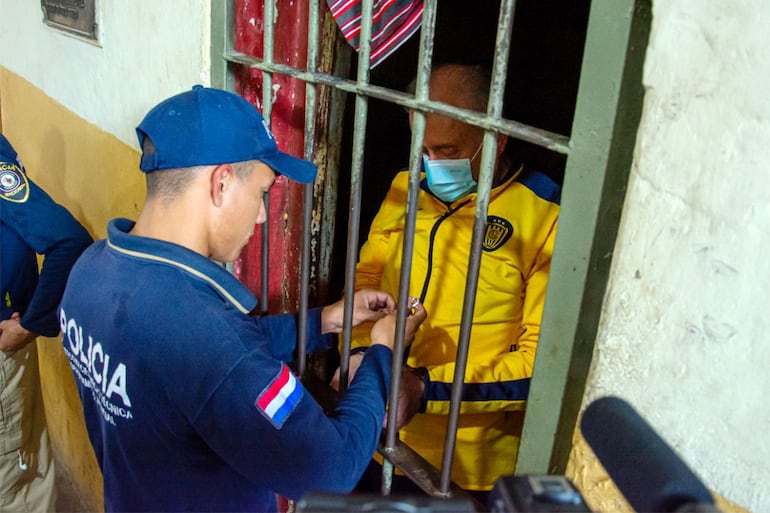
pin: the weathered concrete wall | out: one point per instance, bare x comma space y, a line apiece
684, 331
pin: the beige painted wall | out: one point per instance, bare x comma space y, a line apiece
94, 175
87, 170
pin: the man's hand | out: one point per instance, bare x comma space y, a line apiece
13, 336
410, 397
384, 330
353, 364
368, 305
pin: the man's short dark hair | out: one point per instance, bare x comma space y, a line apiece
167, 184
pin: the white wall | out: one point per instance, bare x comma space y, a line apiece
149, 50
684, 336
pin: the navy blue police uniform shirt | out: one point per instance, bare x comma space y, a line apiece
31, 223
187, 399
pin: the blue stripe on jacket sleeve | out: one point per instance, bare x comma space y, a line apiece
516, 390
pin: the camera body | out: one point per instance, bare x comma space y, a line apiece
511, 494
536, 493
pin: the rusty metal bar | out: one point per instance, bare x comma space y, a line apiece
267, 110
426, 476
494, 111
395, 452
427, 31
307, 196
417, 468
222, 42
222, 37
549, 140
359, 137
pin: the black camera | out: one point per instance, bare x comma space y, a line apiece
535, 494
514, 494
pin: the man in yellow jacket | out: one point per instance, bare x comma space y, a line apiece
515, 261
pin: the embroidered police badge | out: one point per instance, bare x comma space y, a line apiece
13, 183
498, 232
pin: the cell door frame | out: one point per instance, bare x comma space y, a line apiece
599, 158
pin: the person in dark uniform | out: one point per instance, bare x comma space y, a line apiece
188, 399
31, 224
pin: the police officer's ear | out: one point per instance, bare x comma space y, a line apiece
221, 180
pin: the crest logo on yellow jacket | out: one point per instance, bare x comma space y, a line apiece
498, 232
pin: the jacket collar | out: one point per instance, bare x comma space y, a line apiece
195, 265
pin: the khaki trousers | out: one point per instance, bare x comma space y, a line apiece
26, 464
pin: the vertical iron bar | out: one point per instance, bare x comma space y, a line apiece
222, 43
494, 110
307, 202
354, 222
415, 166
268, 14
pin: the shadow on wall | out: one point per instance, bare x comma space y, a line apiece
541, 90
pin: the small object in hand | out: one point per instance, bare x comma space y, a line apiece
413, 302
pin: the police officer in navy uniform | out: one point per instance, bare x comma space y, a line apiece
188, 399
31, 224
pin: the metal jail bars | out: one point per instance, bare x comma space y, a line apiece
600, 153
435, 482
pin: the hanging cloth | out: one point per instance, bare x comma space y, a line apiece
393, 23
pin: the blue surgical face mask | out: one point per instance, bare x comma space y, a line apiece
450, 179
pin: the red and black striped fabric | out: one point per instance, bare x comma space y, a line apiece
393, 22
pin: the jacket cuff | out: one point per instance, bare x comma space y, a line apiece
423, 373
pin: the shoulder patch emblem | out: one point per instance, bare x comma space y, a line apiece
280, 397
497, 233
13, 183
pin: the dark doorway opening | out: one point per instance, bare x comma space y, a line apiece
541, 90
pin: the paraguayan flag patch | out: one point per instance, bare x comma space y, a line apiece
280, 397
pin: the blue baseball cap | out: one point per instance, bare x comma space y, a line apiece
208, 127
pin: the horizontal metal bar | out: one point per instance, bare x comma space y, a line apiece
423, 474
414, 466
549, 140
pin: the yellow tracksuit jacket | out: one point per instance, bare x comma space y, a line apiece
521, 226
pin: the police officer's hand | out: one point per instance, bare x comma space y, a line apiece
384, 330
13, 336
368, 305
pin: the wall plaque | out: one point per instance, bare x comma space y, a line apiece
77, 17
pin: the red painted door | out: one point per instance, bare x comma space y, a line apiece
287, 124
